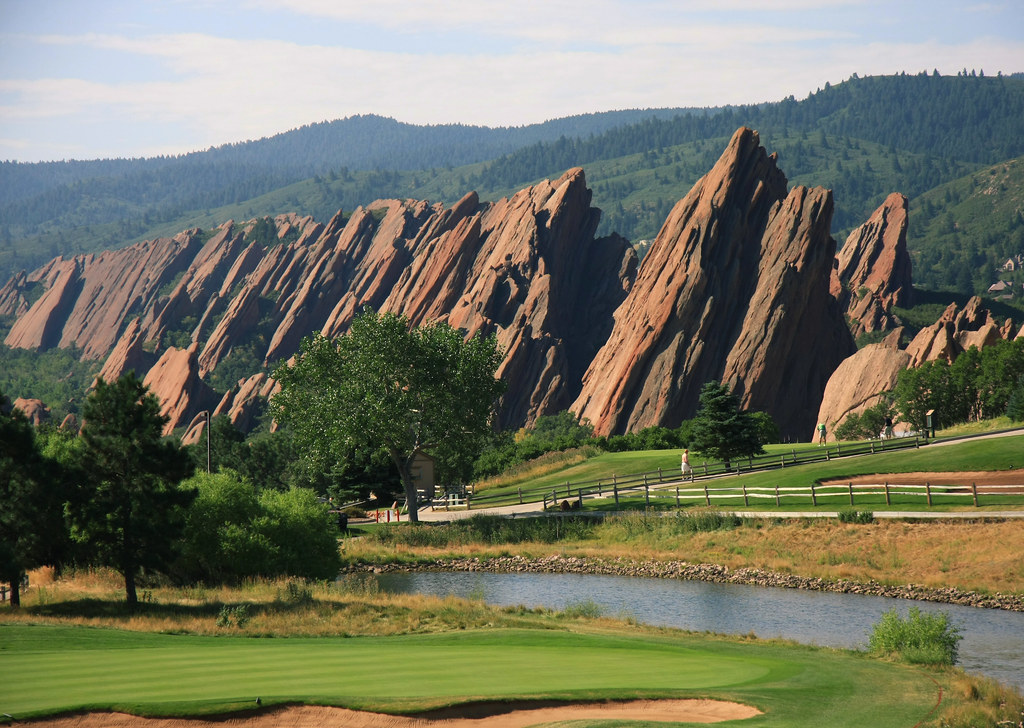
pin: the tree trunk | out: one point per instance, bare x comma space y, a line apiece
15, 593
129, 587
405, 473
411, 500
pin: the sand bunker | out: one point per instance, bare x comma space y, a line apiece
491, 716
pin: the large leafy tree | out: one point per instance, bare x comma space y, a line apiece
389, 388
720, 429
129, 511
31, 514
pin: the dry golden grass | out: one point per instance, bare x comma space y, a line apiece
983, 556
978, 701
352, 606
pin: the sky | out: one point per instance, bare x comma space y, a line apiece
88, 79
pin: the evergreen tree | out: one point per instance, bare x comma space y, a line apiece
30, 507
129, 511
720, 430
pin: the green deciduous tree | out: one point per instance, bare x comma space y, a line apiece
232, 532
129, 510
720, 430
388, 388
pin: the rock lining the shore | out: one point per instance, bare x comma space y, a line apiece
558, 564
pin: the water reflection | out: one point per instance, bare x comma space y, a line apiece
993, 640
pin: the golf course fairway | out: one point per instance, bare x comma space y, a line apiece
51, 669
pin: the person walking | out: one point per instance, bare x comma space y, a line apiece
687, 470
821, 433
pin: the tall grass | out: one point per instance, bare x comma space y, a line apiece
486, 530
352, 605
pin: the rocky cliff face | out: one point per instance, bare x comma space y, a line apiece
735, 288
873, 269
526, 269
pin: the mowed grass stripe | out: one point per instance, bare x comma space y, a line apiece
50, 669
189, 670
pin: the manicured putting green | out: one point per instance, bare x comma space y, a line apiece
45, 669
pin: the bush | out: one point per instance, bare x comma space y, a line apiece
918, 639
852, 515
231, 533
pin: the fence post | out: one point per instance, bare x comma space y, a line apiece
794, 456
677, 495
827, 455
839, 448
872, 447
782, 461
974, 492
647, 495
850, 486
567, 489
615, 490
928, 490
814, 498
468, 497
917, 443
745, 501
520, 495
887, 501
707, 498
777, 503
705, 467
660, 478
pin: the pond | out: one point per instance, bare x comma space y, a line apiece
993, 640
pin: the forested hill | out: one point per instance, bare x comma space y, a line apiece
863, 138
230, 172
965, 118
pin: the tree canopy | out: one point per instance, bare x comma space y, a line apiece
129, 509
31, 516
399, 391
720, 430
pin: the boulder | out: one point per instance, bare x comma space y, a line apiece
859, 382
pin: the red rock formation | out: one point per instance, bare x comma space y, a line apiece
34, 409
90, 299
955, 332
174, 380
860, 380
873, 269
129, 354
734, 288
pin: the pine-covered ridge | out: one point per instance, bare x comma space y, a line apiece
863, 138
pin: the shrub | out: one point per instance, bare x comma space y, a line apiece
918, 639
852, 515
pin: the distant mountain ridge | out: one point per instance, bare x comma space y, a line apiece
863, 138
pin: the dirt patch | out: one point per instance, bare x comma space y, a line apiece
503, 715
979, 477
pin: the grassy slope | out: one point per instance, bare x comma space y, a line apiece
994, 454
59, 668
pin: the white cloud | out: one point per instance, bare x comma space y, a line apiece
538, 60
